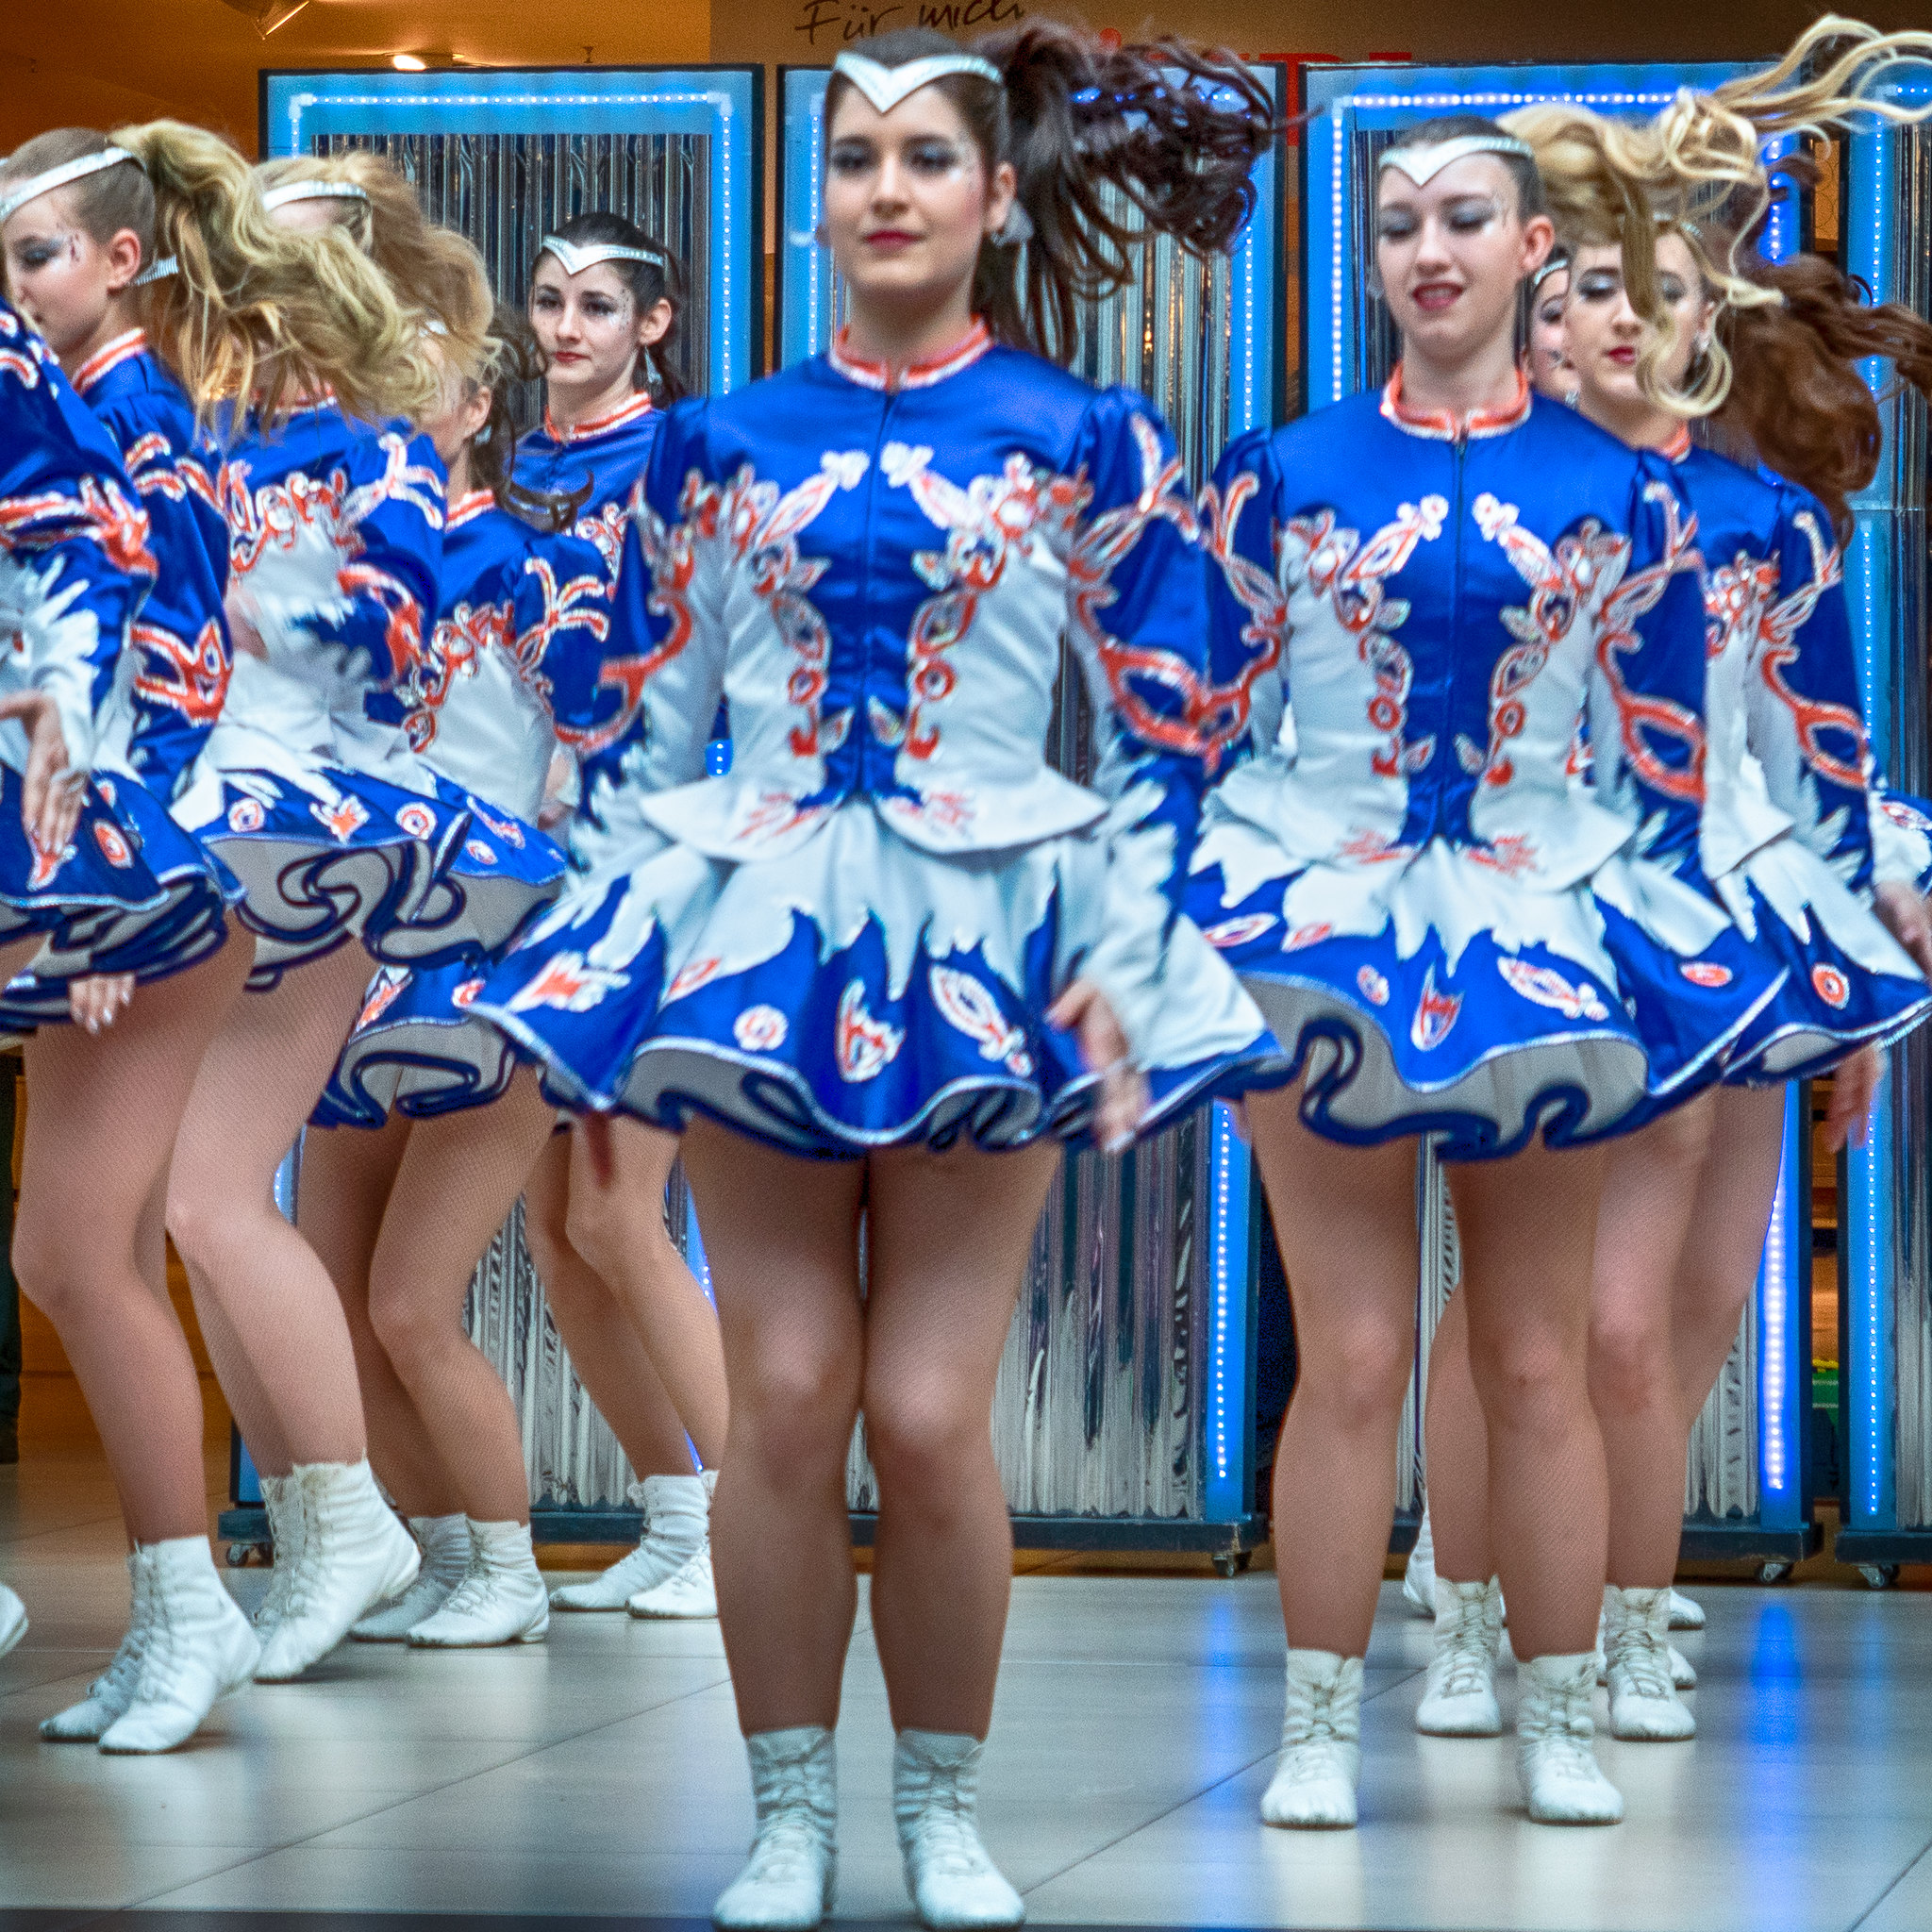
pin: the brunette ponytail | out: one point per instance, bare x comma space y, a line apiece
1110, 145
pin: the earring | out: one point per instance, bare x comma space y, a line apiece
1016, 228
1574, 397
1374, 285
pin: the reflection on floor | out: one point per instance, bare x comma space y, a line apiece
601, 1773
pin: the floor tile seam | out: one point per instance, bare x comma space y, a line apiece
1899, 1878
33, 1535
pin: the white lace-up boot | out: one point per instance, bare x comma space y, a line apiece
281, 1502
12, 1620
1643, 1701
112, 1692
1683, 1674
953, 1879
500, 1600
787, 1883
354, 1554
198, 1648
1555, 1757
445, 1542
1418, 1577
1313, 1786
1687, 1613
693, 1594
1460, 1701
677, 1515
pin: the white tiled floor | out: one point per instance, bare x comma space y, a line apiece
601, 1773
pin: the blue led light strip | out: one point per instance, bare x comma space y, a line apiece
1230, 1276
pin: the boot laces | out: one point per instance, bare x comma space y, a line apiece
1644, 1662
790, 1839
1463, 1662
943, 1835
1563, 1738
472, 1594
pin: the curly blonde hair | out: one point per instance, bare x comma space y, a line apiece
433, 270
251, 314
1694, 169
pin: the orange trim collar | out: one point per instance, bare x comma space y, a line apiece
921, 374
109, 356
467, 507
1445, 426
640, 405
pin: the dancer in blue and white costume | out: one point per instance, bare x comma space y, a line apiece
861, 971
401, 1215
604, 305
1425, 591
310, 790
144, 259
1799, 834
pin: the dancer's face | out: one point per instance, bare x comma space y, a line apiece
909, 202
464, 409
1605, 333
62, 281
1549, 348
588, 328
1452, 255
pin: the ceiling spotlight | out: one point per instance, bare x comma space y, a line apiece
267, 14
429, 57
409, 63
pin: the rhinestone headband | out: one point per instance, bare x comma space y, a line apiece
886, 87
37, 185
1422, 164
575, 257
311, 190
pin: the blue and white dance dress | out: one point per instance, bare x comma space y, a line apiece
524, 639
851, 940
1417, 616
332, 824
130, 892
1793, 804
606, 457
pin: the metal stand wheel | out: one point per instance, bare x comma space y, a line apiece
1231, 1564
1878, 1575
1774, 1572
239, 1555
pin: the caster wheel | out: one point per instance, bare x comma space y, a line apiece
1879, 1575
238, 1554
1230, 1563
1774, 1573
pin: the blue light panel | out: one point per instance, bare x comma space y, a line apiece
718, 102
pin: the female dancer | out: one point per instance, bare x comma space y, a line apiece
1769, 354
1449, 936
312, 794
1549, 361
146, 261
401, 1215
605, 302
856, 969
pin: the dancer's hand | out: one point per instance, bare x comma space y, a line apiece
1084, 1012
51, 791
100, 999
1907, 919
1854, 1088
242, 631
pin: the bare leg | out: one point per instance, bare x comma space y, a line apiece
949, 1239
100, 1129
783, 1239
619, 1230
606, 1350
460, 1179
1528, 1228
346, 1177
268, 1312
1718, 1267
1345, 1220
1459, 1458
1650, 1187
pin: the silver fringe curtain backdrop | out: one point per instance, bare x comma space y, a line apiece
507, 191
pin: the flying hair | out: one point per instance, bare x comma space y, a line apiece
433, 270
1110, 145
251, 314
1694, 169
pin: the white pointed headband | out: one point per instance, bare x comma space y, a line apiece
575, 257
886, 87
1422, 164
37, 185
311, 190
